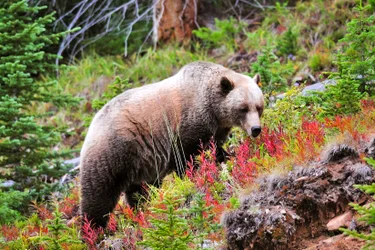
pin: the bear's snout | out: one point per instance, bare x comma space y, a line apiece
255, 131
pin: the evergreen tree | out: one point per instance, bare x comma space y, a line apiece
288, 43
272, 73
202, 220
171, 230
26, 156
358, 56
58, 233
342, 98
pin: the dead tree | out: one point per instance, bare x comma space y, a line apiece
174, 20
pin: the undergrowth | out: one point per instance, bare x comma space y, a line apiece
186, 212
193, 205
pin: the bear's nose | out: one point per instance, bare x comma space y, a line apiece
255, 131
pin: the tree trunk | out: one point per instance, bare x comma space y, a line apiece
174, 20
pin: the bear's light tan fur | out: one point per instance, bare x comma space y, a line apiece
146, 133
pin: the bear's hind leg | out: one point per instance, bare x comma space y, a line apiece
133, 192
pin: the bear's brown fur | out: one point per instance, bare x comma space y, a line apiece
146, 133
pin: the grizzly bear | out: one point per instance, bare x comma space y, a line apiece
145, 133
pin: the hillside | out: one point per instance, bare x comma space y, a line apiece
293, 187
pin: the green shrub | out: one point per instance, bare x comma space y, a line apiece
277, 15
285, 113
11, 203
226, 32
258, 38
272, 73
58, 233
319, 61
355, 74
342, 98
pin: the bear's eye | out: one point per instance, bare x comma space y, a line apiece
259, 110
244, 109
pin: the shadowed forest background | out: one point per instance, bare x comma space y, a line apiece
305, 183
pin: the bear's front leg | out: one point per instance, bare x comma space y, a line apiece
220, 138
98, 201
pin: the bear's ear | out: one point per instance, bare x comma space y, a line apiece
257, 79
226, 85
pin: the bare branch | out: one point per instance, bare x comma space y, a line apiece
105, 16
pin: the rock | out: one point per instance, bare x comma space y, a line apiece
301, 179
288, 210
338, 242
298, 79
340, 221
370, 149
69, 177
319, 87
7, 184
74, 162
113, 244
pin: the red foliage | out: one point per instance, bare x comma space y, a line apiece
89, 234
343, 124
32, 230
9, 232
138, 217
309, 137
314, 131
141, 219
42, 211
68, 207
244, 169
112, 223
207, 173
128, 212
367, 104
273, 142
217, 208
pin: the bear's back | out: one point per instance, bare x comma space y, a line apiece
147, 109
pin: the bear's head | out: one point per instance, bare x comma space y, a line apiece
241, 101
